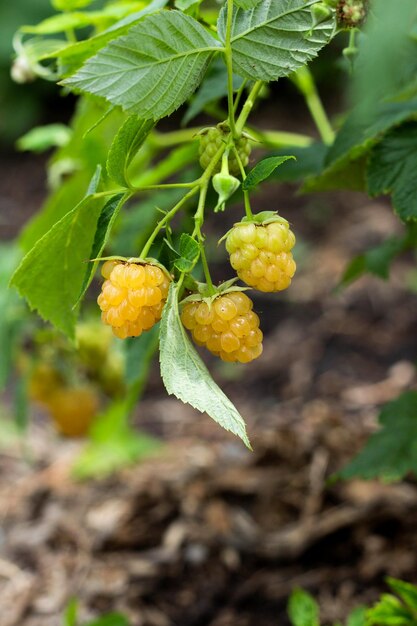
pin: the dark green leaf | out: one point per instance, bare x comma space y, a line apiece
274, 38
150, 75
186, 376
392, 169
189, 252
391, 453
124, 147
303, 609
376, 261
308, 162
51, 274
246, 4
263, 170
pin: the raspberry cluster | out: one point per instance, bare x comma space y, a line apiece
228, 328
260, 254
351, 13
212, 140
132, 297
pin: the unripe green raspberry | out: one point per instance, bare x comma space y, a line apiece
212, 140
132, 297
228, 327
261, 254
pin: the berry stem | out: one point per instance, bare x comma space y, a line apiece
166, 140
304, 81
247, 107
229, 65
199, 219
168, 217
246, 199
239, 94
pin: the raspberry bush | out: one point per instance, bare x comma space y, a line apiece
123, 184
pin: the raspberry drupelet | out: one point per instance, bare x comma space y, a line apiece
132, 297
261, 254
228, 328
210, 143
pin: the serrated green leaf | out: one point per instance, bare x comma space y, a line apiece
246, 4
150, 76
406, 591
392, 168
189, 251
346, 159
184, 5
390, 453
308, 162
125, 145
185, 375
51, 274
303, 609
274, 38
263, 170
105, 223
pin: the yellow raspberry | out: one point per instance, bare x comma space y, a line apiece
73, 409
228, 327
261, 254
132, 297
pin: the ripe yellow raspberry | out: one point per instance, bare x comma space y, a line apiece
73, 409
261, 254
212, 140
132, 297
228, 328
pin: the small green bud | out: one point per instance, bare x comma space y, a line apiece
331, 3
225, 185
320, 13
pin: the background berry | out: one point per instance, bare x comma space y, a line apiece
211, 141
132, 297
261, 255
228, 328
73, 409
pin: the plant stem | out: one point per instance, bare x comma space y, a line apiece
166, 140
246, 199
199, 219
304, 81
239, 94
247, 107
280, 139
229, 65
168, 217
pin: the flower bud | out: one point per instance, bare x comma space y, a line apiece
320, 13
225, 185
21, 71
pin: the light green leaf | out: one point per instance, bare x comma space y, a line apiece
51, 274
185, 375
70, 5
42, 138
105, 223
184, 5
390, 453
406, 591
111, 619
189, 252
274, 38
150, 75
246, 4
357, 617
303, 609
389, 611
263, 170
71, 613
124, 147
392, 168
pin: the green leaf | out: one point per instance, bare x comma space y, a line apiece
406, 591
308, 162
124, 147
105, 223
346, 160
51, 274
189, 252
376, 261
392, 168
263, 170
150, 75
357, 617
70, 5
391, 453
184, 5
246, 4
42, 138
303, 609
274, 38
185, 375
111, 619
71, 613
389, 612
